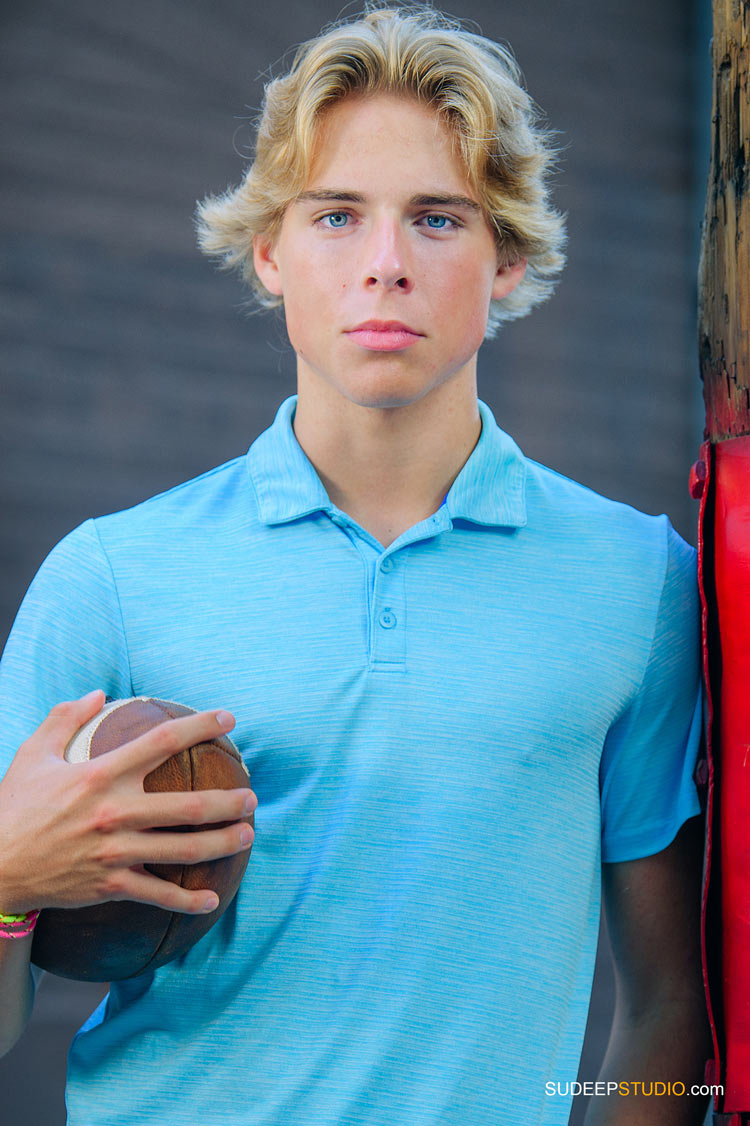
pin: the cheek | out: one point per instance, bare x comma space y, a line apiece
316, 307
465, 298
308, 309
313, 282
296, 313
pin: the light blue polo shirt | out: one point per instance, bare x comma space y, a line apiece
446, 738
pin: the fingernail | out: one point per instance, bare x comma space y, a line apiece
250, 805
210, 904
225, 720
245, 836
90, 695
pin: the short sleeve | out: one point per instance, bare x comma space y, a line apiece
650, 753
67, 639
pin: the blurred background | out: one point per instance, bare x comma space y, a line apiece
129, 363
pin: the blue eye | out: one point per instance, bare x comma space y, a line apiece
337, 220
336, 215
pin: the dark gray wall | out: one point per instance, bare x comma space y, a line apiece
128, 365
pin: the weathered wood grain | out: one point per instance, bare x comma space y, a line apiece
724, 271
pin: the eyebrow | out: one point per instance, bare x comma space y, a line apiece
440, 199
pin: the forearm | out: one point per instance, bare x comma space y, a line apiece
670, 1044
16, 989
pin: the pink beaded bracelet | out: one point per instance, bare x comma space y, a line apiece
17, 926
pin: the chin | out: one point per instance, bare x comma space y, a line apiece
388, 394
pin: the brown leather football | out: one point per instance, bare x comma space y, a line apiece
119, 939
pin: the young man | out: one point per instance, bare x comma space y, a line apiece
460, 681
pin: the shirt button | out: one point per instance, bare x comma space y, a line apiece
387, 618
387, 565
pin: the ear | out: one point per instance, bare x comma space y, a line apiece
507, 278
266, 266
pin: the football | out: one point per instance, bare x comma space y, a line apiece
120, 939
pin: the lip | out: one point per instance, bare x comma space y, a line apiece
385, 326
384, 336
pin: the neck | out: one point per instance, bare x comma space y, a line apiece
387, 467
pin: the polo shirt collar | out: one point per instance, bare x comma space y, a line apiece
490, 488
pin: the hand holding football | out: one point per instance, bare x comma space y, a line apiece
119, 939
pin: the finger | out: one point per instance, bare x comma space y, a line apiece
158, 847
60, 725
147, 751
201, 807
139, 887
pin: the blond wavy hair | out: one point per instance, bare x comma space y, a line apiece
475, 87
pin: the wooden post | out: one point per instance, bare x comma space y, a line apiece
724, 271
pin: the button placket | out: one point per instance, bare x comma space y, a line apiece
388, 622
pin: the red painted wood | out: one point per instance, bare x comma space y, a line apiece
732, 588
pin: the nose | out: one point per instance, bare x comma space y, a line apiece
386, 260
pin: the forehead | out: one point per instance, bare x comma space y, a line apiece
386, 138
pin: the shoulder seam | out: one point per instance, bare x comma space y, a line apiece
105, 554
602, 497
225, 465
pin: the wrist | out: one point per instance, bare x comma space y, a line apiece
15, 897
